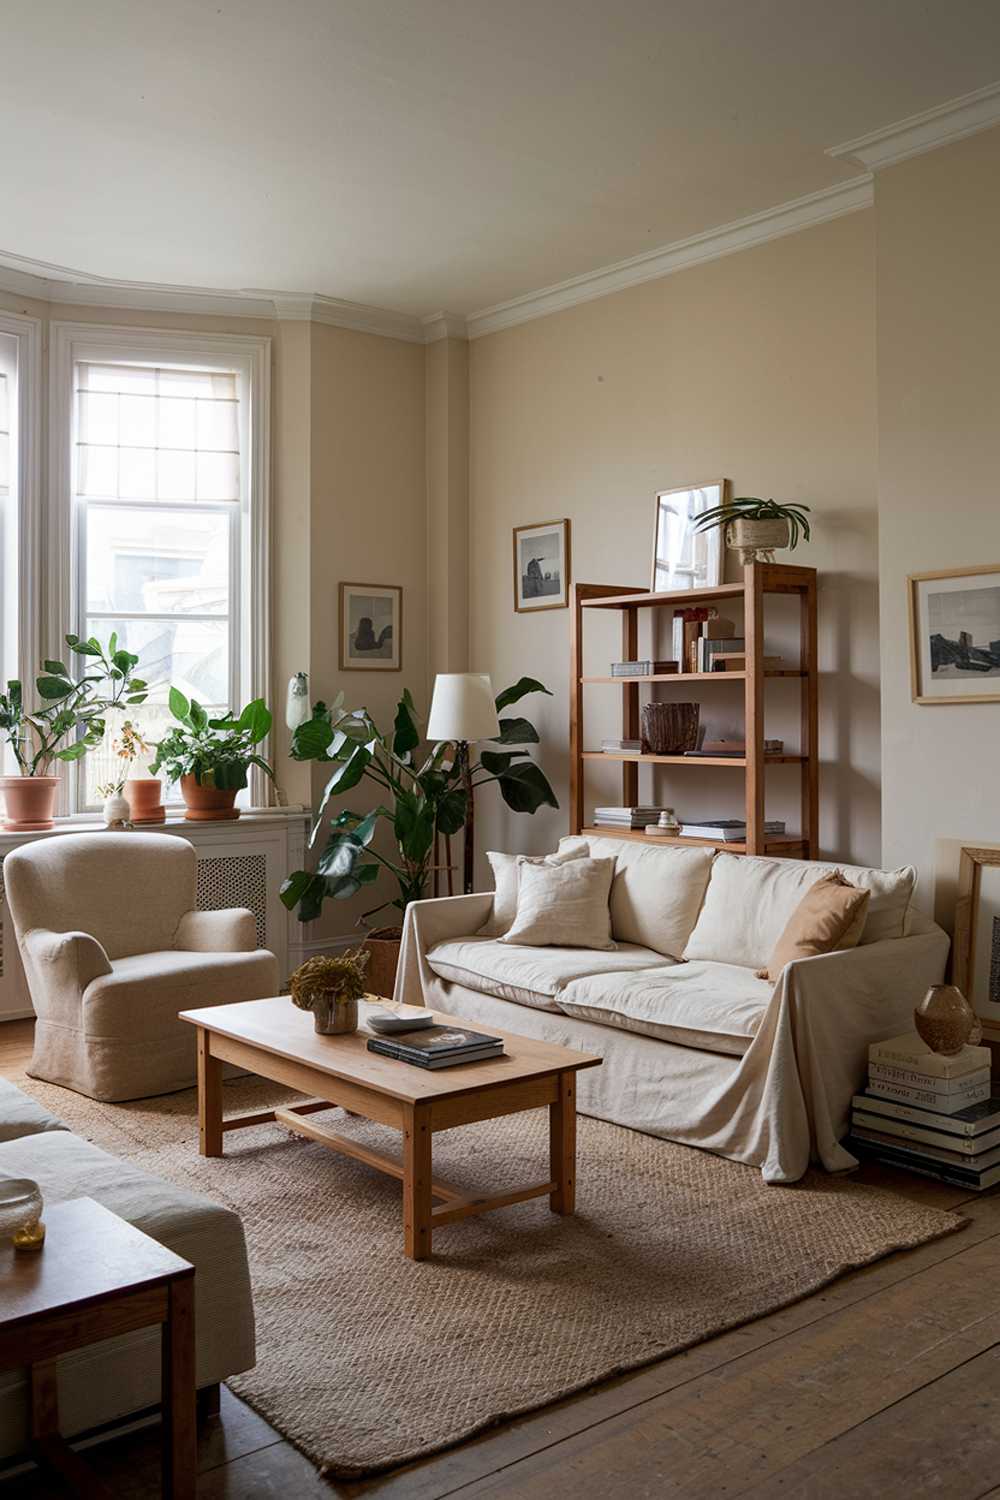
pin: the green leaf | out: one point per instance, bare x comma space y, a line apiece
311, 902
516, 732
73, 752
520, 689
451, 812
525, 788
405, 734
340, 856
312, 740
57, 668
84, 648
54, 687
414, 826
197, 716
364, 832
255, 720
179, 706
496, 762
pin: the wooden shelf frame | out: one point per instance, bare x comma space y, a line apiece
759, 580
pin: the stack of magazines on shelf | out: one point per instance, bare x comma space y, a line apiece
621, 747
437, 1046
728, 830
625, 817
930, 1113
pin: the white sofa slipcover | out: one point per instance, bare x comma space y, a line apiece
111, 1380
786, 1100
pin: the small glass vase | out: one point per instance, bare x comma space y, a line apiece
946, 1021
21, 1213
333, 1016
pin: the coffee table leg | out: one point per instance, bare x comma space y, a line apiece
178, 1394
562, 1146
209, 1097
417, 1181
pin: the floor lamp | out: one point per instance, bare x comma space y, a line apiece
463, 710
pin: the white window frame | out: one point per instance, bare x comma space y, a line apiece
28, 483
250, 628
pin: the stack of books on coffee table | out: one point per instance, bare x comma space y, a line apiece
930, 1113
438, 1046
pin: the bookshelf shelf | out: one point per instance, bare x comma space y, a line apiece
759, 580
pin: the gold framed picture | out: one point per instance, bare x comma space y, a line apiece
684, 558
976, 947
955, 635
371, 622
541, 566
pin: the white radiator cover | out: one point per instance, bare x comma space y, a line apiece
242, 863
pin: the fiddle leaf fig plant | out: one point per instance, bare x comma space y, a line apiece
216, 752
420, 796
72, 704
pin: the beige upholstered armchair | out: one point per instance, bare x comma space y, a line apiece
113, 949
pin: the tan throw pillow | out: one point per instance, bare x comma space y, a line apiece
829, 918
505, 882
563, 906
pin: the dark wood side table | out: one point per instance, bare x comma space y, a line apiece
95, 1277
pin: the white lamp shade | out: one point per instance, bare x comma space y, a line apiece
462, 708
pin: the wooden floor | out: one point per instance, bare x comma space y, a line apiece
885, 1384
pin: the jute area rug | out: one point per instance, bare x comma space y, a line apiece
366, 1359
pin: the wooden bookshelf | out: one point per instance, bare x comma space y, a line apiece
759, 580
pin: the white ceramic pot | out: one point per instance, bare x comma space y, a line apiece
116, 810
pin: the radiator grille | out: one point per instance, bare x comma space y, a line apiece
235, 880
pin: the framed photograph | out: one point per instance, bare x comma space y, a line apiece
955, 635
371, 618
682, 557
541, 566
976, 950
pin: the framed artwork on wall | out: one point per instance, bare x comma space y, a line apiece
541, 566
955, 635
976, 950
682, 557
371, 621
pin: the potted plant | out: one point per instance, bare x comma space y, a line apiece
754, 528
422, 798
331, 988
71, 706
141, 793
211, 757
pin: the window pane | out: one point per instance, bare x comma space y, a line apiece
193, 655
170, 562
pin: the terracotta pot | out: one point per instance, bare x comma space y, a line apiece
29, 802
208, 804
143, 796
670, 728
383, 947
755, 541
945, 1020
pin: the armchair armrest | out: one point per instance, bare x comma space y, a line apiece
233, 930
63, 963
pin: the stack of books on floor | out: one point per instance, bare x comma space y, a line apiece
929, 1113
625, 817
621, 747
728, 830
438, 1046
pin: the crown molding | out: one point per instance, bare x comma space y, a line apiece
935, 127
756, 229
443, 325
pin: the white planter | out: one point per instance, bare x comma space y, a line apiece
116, 810
756, 541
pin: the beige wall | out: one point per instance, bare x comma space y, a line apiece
939, 456
758, 367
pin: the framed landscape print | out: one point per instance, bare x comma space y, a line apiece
955, 635
682, 557
541, 566
371, 617
976, 951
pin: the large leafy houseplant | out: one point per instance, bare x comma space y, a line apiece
211, 758
69, 721
422, 796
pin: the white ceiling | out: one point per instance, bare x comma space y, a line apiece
428, 154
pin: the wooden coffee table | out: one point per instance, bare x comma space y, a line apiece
278, 1041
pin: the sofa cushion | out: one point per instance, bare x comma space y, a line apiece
656, 893
529, 976
21, 1115
564, 905
830, 917
715, 1007
750, 900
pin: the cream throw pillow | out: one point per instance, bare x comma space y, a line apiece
829, 918
563, 905
505, 882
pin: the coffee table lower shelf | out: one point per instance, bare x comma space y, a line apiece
418, 1121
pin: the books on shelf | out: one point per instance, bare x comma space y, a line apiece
736, 661
734, 747
438, 1046
929, 1113
707, 648
728, 830
619, 747
625, 817
647, 668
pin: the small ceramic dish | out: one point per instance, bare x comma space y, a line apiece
386, 1021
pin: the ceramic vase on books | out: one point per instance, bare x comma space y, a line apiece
946, 1021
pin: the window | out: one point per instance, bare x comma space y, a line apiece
8, 507
165, 476
20, 414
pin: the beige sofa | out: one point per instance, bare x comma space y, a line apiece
696, 1048
114, 1379
113, 949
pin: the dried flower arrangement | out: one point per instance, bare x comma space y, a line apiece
331, 988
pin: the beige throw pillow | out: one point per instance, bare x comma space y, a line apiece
563, 905
505, 882
829, 918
